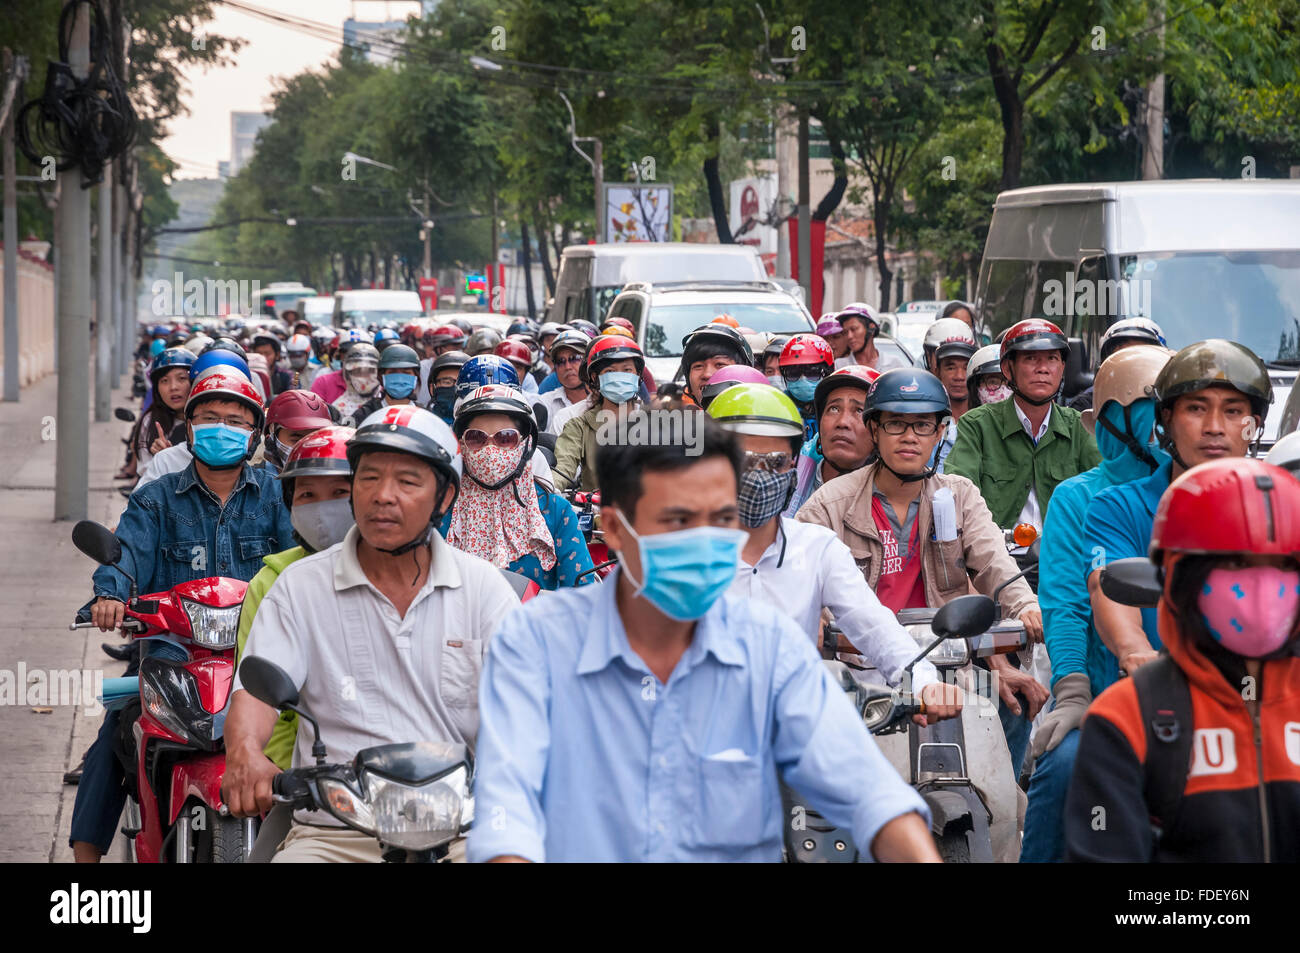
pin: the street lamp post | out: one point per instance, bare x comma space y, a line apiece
595, 160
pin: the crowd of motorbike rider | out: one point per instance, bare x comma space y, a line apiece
372, 485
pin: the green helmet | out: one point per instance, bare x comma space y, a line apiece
398, 355
1211, 362
757, 409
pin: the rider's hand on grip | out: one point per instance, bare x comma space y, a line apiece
1073, 696
247, 784
939, 700
107, 613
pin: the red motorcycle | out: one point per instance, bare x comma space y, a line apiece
175, 812
585, 505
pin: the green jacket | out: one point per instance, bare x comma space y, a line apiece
285, 733
995, 453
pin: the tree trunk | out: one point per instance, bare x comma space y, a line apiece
880, 215
831, 200
717, 200
544, 254
528, 269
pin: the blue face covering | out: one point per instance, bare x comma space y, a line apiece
219, 445
686, 571
619, 386
444, 399
400, 386
1118, 461
801, 389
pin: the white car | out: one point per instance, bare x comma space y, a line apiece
664, 313
908, 328
366, 306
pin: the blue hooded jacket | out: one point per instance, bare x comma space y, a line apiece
1064, 562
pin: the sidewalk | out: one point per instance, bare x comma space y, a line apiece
45, 581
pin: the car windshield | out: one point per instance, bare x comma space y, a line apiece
369, 316
892, 354
911, 334
1252, 298
670, 323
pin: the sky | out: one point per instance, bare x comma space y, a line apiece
200, 140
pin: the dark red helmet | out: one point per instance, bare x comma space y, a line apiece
323, 453
805, 349
298, 410
444, 334
619, 323
1034, 334
607, 349
222, 386
1235, 505
855, 375
514, 351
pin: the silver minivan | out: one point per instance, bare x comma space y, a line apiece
591, 276
1204, 258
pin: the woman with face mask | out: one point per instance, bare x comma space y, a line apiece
316, 484
360, 379
612, 373
984, 381
501, 513
1196, 756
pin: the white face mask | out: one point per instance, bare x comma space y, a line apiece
323, 523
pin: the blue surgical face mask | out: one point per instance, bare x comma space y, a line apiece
619, 386
777, 381
400, 386
219, 445
685, 571
801, 389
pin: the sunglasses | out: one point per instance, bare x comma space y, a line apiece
566, 361
775, 462
477, 439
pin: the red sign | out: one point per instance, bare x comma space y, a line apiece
429, 294
817, 234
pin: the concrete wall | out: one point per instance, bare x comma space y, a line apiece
35, 318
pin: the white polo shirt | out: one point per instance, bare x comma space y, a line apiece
811, 569
555, 402
368, 675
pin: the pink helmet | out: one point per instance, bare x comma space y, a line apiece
729, 376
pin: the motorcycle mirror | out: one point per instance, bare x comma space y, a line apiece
964, 617
1132, 582
121, 413
97, 542
267, 682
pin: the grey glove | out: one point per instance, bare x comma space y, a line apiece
1073, 696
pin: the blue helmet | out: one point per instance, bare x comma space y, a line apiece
386, 334
157, 346
160, 331
907, 390
169, 358
219, 356
485, 369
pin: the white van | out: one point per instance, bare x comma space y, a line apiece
591, 276
375, 306
318, 309
1204, 258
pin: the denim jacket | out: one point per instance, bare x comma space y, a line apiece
174, 530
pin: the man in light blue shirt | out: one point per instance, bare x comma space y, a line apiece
648, 718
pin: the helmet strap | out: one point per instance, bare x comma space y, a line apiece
904, 477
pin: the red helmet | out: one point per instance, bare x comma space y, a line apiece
323, 453
619, 323
1235, 505
1034, 334
517, 352
607, 349
220, 386
855, 375
298, 410
803, 349
410, 334
444, 334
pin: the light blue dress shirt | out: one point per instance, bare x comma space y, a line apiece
583, 755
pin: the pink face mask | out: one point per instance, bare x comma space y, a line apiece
1251, 611
991, 394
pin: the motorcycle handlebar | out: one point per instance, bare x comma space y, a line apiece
288, 788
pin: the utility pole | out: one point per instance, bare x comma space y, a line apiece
105, 329
72, 447
493, 271
805, 212
1153, 156
427, 232
125, 350
598, 169
15, 69
781, 150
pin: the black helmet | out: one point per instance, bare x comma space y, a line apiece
266, 337
1211, 362
225, 344
716, 338
447, 359
776, 345
463, 324
907, 390
398, 355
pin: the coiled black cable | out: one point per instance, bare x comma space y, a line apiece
81, 123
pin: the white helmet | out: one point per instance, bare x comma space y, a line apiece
987, 360
298, 343
1286, 453
949, 337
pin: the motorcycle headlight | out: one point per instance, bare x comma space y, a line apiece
210, 626
950, 653
345, 804
169, 693
876, 710
418, 818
